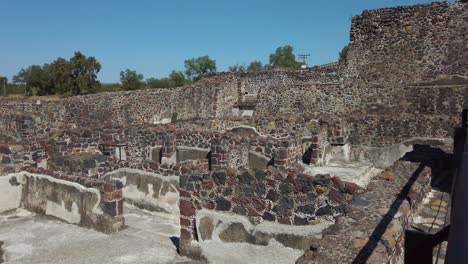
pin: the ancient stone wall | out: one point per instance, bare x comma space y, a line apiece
408, 44
271, 195
87, 202
208, 98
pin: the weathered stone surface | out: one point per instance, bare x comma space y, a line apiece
6, 160
236, 232
206, 228
222, 204
5, 150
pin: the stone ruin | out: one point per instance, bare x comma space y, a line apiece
300, 162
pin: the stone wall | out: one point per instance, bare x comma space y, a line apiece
150, 191
87, 202
408, 44
100, 150
278, 196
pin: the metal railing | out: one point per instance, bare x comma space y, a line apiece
457, 248
419, 245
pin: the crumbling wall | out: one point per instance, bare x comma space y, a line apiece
264, 196
87, 202
150, 191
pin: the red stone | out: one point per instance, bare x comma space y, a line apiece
208, 204
108, 187
271, 183
352, 188
185, 194
253, 213
184, 169
185, 234
207, 185
185, 222
244, 201
285, 221
186, 208
339, 184
258, 204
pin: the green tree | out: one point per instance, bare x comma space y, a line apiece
344, 53
131, 80
195, 68
254, 67
284, 57
178, 78
76, 76
237, 68
3, 85
160, 83
60, 76
34, 78
84, 72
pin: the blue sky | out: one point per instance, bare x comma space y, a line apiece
154, 37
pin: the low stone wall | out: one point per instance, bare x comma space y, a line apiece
224, 236
99, 206
150, 191
13, 157
283, 198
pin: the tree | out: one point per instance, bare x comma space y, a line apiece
34, 78
60, 75
131, 80
84, 72
284, 57
237, 68
75, 76
195, 68
178, 77
160, 83
344, 53
254, 67
3, 85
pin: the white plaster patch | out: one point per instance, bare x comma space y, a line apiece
384, 157
127, 259
168, 202
42, 164
246, 112
78, 186
217, 251
10, 195
254, 129
59, 211
241, 253
356, 172
169, 161
18, 251
157, 120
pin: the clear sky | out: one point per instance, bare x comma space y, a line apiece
154, 37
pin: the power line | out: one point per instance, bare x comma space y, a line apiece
303, 57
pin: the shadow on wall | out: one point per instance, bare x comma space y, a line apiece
428, 156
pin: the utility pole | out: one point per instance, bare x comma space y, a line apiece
303, 57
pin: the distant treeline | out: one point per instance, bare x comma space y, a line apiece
78, 75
